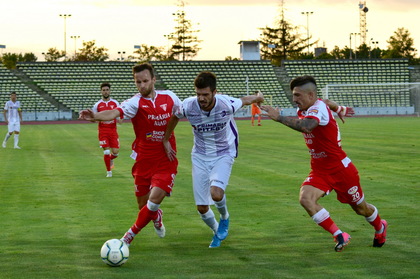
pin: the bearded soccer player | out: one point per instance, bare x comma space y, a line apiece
153, 172
331, 169
107, 130
13, 116
215, 148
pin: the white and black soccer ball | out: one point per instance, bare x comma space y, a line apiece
114, 252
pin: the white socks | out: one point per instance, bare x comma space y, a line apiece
7, 137
222, 208
210, 220
16, 139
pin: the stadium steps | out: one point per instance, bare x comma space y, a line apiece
284, 81
32, 85
30, 100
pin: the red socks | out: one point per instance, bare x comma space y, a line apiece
107, 160
329, 225
144, 217
377, 224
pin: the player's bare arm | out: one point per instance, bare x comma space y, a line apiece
105, 115
302, 125
258, 99
341, 111
170, 152
5, 116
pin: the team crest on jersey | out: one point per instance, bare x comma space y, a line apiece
312, 111
353, 190
164, 106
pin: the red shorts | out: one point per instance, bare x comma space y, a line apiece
109, 140
148, 174
346, 184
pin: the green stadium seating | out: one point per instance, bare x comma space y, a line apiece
357, 72
29, 99
232, 75
76, 84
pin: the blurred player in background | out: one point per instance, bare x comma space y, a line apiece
331, 169
13, 116
107, 130
255, 110
215, 148
153, 172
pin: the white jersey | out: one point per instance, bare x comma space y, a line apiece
12, 111
215, 131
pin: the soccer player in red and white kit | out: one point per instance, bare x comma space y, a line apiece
107, 130
153, 172
331, 169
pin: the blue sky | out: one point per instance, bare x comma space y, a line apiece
35, 26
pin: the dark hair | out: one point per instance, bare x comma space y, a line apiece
206, 79
13, 92
302, 80
105, 84
141, 67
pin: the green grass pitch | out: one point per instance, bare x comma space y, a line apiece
57, 207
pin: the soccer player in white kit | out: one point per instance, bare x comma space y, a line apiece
13, 116
216, 139
331, 169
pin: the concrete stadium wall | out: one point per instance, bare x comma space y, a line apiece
44, 116
370, 111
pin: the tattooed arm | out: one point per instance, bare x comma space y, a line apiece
305, 125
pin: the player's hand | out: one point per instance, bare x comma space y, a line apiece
87, 114
169, 151
345, 112
271, 112
260, 94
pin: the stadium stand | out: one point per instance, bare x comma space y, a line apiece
179, 77
76, 84
29, 99
358, 72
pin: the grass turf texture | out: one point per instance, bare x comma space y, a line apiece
57, 208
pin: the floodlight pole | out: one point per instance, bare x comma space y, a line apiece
121, 53
169, 37
75, 39
65, 16
307, 26
355, 44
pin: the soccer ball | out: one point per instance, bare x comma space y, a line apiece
114, 252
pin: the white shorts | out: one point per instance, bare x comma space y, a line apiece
207, 172
13, 126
